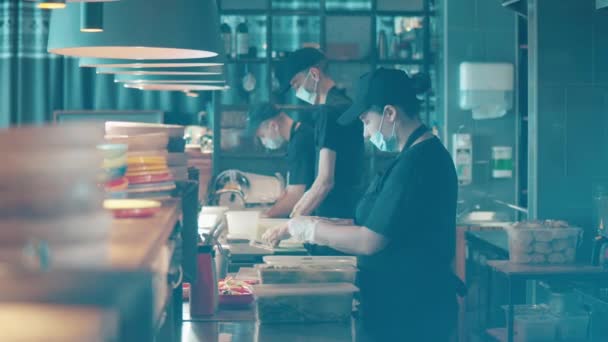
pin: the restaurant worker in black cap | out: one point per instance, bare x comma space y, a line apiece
274, 128
404, 230
339, 149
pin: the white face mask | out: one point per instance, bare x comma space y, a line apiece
389, 144
273, 143
305, 95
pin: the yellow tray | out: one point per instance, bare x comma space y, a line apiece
151, 160
140, 168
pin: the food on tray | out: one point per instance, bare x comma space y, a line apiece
231, 286
540, 242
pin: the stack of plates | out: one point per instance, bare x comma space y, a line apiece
114, 168
148, 175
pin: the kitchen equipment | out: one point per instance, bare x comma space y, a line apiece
502, 162
204, 292
242, 224
600, 221
486, 89
304, 303
462, 145
130, 208
226, 35
307, 273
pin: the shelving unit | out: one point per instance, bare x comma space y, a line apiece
281, 26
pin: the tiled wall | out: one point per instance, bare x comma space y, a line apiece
479, 31
570, 115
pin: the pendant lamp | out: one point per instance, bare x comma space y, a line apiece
155, 63
175, 87
141, 30
169, 78
60, 4
50, 4
91, 17
191, 94
161, 71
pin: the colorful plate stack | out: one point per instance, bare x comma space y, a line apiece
148, 175
114, 169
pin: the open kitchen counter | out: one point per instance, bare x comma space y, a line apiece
241, 326
134, 243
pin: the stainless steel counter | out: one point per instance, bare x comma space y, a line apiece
240, 326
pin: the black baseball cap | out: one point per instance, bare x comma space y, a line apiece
380, 87
295, 62
259, 113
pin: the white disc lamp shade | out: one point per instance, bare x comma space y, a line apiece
88, 62
161, 71
169, 79
60, 4
141, 30
50, 4
175, 87
91, 17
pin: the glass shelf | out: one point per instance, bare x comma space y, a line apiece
349, 37
404, 37
295, 4
400, 5
348, 5
242, 5
290, 33
256, 26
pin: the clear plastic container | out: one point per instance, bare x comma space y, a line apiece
526, 310
573, 327
535, 328
310, 260
543, 245
293, 274
304, 303
243, 224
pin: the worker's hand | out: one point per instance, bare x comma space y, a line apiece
303, 228
274, 236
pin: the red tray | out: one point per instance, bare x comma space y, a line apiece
163, 177
135, 213
236, 301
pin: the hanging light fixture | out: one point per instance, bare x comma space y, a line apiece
60, 4
91, 17
217, 79
161, 71
49, 4
175, 87
141, 30
190, 94
156, 63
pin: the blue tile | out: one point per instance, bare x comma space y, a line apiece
461, 13
565, 42
586, 154
491, 15
500, 45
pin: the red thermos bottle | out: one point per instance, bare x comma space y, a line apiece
204, 292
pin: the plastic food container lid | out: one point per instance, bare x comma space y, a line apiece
307, 260
271, 290
306, 268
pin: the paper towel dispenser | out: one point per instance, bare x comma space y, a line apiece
486, 89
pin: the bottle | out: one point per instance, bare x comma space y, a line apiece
382, 48
394, 48
502, 162
242, 40
463, 157
204, 297
226, 33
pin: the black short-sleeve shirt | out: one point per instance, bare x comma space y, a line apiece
347, 143
413, 205
301, 156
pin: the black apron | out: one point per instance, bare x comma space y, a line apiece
384, 321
